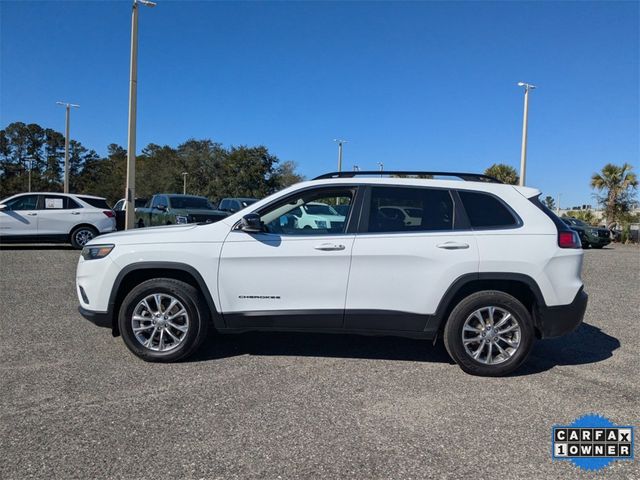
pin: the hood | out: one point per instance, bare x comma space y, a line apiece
197, 211
166, 233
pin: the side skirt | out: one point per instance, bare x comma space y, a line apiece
340, 331
361, 322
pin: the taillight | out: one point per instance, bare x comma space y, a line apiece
109, 213
569, 239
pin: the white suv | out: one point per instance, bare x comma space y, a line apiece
487, 267
54, 217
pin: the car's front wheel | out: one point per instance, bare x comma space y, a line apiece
163, 320
489, 333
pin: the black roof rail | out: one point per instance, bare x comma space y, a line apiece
469, 177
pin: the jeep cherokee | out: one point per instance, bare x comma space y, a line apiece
484, 265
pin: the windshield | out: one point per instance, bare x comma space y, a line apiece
190, 202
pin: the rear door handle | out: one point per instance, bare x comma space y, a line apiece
329, 246
453, 245
32, 214
75, 213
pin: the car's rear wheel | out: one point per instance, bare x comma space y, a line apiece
81, 235
489, 333
163, 320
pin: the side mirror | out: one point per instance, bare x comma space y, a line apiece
162, 208
3, 206
251, 223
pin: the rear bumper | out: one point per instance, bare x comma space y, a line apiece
560, 320
101, 319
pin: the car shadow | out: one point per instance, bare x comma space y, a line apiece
8, 246
588, 344
321, 345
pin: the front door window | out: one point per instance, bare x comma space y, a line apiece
310, 213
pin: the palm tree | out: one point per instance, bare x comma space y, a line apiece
502, 172
619, 183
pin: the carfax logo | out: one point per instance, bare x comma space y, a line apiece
592, 442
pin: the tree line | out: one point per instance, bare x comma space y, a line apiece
32, 154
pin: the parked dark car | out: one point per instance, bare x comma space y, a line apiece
596, 237
233, 205
167, 209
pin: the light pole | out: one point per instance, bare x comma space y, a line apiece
558, 204
133, 92
340, 143
184, 182
30, 168
66, 144
523, 152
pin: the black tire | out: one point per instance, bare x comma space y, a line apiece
140, 223
194, 304
453, 333
81, 235
597, 246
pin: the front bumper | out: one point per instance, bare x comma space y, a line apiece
101, 319
560, 320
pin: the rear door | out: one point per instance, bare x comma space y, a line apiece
20, 216
400, 270
58, 215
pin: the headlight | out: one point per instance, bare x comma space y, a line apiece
95, 252
181, 219
594, 231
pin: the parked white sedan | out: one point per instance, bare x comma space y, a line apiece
54, 217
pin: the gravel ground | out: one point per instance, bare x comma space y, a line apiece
74, 403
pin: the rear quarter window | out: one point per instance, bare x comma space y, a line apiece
486, 211
96, 202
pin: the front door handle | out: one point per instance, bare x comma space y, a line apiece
75, 213
32, 214
453, 245
329, 246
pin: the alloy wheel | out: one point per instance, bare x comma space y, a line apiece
491, 335
160, 322
83, 236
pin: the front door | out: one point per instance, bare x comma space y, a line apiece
293, 274
19, 218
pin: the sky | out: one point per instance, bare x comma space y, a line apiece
414, 85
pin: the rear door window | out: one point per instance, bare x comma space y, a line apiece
408, 209
486, 211
58, 202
